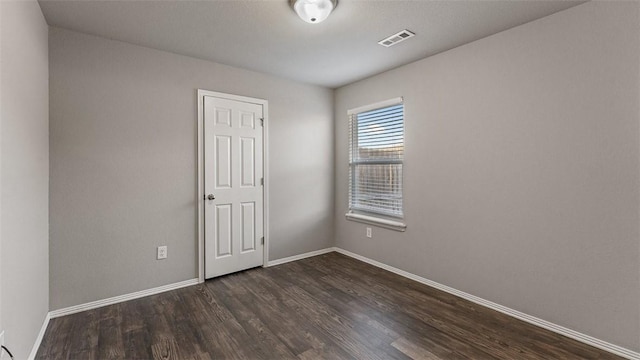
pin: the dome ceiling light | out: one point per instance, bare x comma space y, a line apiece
313, 11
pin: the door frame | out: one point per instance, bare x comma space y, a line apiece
200, 176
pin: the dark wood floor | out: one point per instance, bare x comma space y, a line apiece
325, 307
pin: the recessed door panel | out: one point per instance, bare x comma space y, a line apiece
223, 161
247, 161
248, 226
223, 117
247, 120
223, 234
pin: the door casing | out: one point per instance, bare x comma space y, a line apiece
200, 175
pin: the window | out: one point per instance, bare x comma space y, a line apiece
376, 153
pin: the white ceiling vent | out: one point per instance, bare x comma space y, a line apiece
396, 38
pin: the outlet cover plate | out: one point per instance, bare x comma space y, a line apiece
162, 252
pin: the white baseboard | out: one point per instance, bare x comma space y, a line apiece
301, 256
589, 340
36, 344
118, 299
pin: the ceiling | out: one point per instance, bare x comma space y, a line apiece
267, 36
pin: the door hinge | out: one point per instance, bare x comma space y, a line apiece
261, 121
262, 240
262, 181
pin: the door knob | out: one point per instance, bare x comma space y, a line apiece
211, 197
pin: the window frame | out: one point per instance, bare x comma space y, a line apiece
363, 216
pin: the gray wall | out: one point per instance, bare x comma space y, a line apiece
521, 176
123, 164
24, 149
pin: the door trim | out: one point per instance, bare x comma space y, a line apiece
200, 175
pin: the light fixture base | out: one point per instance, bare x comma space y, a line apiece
313, 11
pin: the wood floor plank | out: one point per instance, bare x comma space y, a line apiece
84, 346
413, 351
111, 344
325, 307
135, 332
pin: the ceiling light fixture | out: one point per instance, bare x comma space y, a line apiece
313, 11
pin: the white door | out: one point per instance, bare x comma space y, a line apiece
233, 170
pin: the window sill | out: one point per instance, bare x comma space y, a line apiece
372, 220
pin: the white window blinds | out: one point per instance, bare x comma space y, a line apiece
376, 153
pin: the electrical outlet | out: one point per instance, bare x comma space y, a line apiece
369, 232
162, 252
